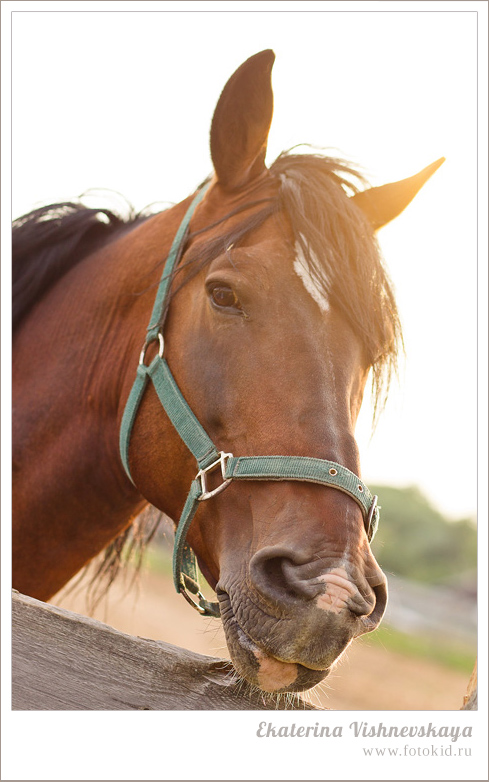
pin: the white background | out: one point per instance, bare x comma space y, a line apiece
120, 96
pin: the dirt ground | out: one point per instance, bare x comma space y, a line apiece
368, 677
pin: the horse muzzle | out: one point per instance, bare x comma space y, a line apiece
260, 668
285, 631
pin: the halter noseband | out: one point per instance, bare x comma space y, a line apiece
208, 457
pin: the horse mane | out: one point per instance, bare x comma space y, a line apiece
124, 554
51, 240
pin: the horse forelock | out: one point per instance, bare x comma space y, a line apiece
336, 242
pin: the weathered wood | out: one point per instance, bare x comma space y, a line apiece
470, 698
64, 661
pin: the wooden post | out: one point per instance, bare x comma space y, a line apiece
470, 699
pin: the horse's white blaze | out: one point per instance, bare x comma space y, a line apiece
310, 284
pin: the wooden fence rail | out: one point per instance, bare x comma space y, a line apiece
64, 661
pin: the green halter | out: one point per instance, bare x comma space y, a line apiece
208, 457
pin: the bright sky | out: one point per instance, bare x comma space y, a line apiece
124, 101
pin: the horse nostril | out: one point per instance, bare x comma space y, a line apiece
371, 619
282, 575
277, 575
371, 608
380, 592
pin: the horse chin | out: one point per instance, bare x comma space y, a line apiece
263, 670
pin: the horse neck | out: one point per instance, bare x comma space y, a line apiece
74, 360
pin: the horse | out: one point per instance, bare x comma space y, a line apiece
272, 313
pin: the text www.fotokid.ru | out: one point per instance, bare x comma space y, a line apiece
408, 751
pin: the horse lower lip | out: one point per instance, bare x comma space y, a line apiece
275, 675
258, 652
267, 671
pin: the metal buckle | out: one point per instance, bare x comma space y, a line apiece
370, 516
223, 457
146, 344
198, 607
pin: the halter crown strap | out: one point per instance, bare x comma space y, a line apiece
159, 372
171, 262
207, 456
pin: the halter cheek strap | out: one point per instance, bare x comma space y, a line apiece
207, 456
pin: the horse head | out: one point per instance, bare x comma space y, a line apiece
279, 309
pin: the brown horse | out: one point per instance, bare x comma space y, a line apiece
278, 310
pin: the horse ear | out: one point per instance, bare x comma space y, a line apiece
383, 204
241, 122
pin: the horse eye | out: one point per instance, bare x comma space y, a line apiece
222, 296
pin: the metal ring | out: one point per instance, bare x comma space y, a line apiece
146, 344
333, 471
192, 602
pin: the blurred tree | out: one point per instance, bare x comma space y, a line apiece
416, 541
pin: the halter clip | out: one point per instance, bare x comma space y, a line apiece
371, 516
